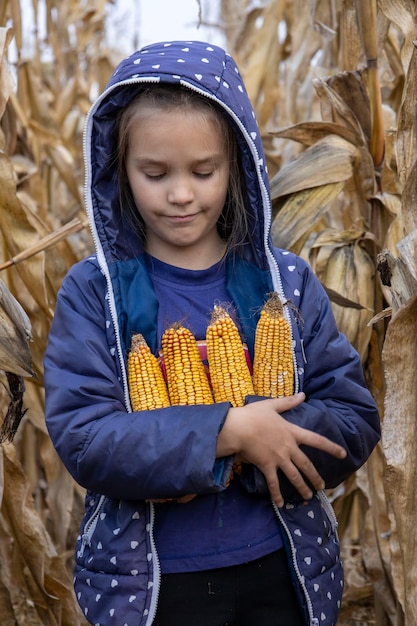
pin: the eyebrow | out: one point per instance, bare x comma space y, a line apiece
215, 158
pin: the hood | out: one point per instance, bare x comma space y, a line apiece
202, 67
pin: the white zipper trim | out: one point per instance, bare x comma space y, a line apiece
90, 527
93, 227
300, 577
326, 504
156, 568
329, 510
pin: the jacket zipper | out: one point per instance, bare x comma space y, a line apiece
156, 568
90, 526
329, 510
334, 523
102, 261
89, 529
313, 620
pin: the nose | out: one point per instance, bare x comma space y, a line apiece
181, 191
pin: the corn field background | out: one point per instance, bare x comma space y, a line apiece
334, 84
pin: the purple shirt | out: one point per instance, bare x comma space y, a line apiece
214, 530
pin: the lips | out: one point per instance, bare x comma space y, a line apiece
182, 219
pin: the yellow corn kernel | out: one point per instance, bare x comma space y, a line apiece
147, 386
186, 377
229, 372
273, 364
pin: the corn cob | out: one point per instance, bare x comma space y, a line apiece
273, 365
186, 377
147, 386
229, 372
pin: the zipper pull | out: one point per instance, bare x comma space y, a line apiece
84, 542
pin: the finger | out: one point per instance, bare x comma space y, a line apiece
308, 470
187, 498
310, 438
272, 481
296, 479
288, 402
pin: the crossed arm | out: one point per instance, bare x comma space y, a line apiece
258, 434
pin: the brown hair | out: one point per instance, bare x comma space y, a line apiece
233, 222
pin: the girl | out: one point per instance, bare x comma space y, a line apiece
178, 202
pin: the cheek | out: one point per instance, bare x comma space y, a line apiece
222, 188
144, 194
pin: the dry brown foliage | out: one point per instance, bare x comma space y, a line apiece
334, 87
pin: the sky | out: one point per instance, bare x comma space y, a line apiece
135, 23
140, 22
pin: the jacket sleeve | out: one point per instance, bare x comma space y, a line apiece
338, 403
106, 448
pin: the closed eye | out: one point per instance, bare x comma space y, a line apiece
154, 176
204, 174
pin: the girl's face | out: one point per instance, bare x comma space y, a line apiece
178, 171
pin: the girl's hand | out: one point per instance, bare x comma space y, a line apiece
261, 436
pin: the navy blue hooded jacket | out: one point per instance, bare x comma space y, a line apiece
108, 295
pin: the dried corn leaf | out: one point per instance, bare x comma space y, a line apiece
403, 15
299, 213
17, 231
350, 87
240, 27
264, 49
16, 15
396, 275
330, 238
390, 221
335, 109
328, 161
366, 13
409, 201
399, 437
38, 98
406, 132
65, 100
371, 480
46, 242
19, 110
309, 133
350, 50
15, 334
64, 163
7, 83
324, 18
350, 272
407, 248
36, 571
60, 496
297, 80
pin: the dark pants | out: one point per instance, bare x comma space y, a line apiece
259, 593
